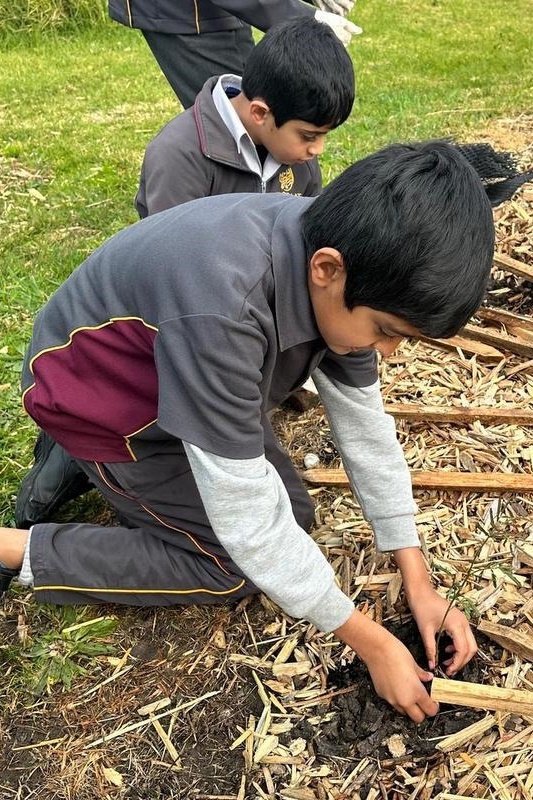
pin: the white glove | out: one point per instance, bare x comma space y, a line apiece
341, 7
343, 28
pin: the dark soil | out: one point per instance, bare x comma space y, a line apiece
364, 723
510, 293
172, 656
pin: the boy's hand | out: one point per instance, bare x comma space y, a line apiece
342, 7
343, 28
429, 608
396, 676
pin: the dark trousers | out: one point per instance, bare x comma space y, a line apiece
188, 60
164, 552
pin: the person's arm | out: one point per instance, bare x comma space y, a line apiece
263, 14
250, 511
433, 613
396, 676
173, 173
372, 456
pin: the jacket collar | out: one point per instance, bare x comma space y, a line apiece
295, 319
216, 142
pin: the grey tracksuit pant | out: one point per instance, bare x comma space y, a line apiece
188, 60
164, 552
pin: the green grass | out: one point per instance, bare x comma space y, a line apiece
76, 112
22, 21
58, 655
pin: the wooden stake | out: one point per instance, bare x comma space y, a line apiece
505, 317
477, 695
499, 340
483, 351
417, 412
512, 265
496, 482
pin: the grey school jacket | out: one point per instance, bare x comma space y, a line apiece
203, 16
195, 155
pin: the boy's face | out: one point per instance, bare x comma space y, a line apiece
293, 142
343, 330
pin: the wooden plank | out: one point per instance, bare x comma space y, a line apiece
505, 318
418, 412
478, 695
512, 265
439, 479
483, 351
521, 644
499, 340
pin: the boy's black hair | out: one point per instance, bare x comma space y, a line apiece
302, 71
415, 229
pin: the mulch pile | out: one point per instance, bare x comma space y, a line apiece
246, 703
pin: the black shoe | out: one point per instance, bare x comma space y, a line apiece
54, 479
6, 576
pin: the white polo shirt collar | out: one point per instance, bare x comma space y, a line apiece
242, 138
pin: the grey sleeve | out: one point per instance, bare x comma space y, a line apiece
373, 459
251, 515
172, 173
263, 14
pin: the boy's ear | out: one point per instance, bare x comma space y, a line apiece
258, 111
326, 266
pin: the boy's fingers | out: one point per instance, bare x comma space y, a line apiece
430, 647
424, 707
429, 708
423, 674
465, 648
352, 27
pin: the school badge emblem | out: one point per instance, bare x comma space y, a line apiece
286, 180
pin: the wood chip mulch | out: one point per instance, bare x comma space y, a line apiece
245, 703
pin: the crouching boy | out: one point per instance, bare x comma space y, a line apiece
155, 364
261, 133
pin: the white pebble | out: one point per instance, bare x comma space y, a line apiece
311, 460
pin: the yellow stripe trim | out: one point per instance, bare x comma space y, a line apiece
162, 522
127, 437
110, 321
196, 16
136, 591
185, 533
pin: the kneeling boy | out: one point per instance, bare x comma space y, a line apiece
259, 135
156, 362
